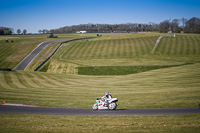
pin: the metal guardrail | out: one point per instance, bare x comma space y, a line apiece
5, 69
38, 67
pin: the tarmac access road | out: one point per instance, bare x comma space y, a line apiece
27, 60
8, 109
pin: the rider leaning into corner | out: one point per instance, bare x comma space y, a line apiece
107, 97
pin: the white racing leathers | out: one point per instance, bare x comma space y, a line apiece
106, 98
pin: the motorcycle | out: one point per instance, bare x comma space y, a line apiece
102, 104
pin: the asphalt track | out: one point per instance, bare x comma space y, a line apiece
7, 109
27, 60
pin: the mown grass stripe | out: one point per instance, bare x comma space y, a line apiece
123, 46
37, 79
52, 81
198, 46
29, 81
191, 49
84, 52
3, 82
194, 46
81, 52
8, 52
133, 45
110, 49
3, 50
59, 79
97, 50
176, 47
68, 51
187, 50
93, 51
142, 46
129, 47
167, 45
182, 49
89, 50
173, 43
195, 49
101, 49
77, 47
114, 50
21, 79
136, 47
106, 49
16, 81
164, 45
9, 80
147, 43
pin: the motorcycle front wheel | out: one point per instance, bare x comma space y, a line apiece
95, 107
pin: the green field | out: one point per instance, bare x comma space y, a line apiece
168, 78
99, 124
175, 87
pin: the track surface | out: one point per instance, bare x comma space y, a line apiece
7, 109
24, 63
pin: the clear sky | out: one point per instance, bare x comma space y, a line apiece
50, 14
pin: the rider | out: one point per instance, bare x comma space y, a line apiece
107, 97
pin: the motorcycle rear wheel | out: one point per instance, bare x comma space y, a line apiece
112, 106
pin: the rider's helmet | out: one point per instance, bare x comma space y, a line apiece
106, 93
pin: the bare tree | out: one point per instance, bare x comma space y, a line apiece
183, 20
164, 26
175, 25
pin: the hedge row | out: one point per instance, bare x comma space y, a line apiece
118, 70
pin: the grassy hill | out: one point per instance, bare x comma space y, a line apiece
162, 88
125, 54
11, 53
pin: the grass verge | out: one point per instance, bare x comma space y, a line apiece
117, 124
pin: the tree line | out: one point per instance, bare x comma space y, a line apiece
9, 31
5, 31
176, 26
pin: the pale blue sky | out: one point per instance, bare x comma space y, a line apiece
49, 14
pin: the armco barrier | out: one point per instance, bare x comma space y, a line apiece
5, 69
57, 49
